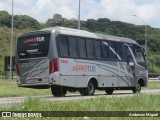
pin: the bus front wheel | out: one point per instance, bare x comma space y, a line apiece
89, 90
58, 91
137, 88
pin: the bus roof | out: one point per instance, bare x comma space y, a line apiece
84, 33
81, 33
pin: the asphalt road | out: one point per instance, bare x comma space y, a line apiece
9, 101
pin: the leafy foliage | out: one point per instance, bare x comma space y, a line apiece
20, 21
24, 21
4, 18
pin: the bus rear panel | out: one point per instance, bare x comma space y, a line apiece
32, 60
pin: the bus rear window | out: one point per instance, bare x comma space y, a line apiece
33, 46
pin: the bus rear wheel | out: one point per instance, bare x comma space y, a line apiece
89, 90
58, 91
137, 88
109, 91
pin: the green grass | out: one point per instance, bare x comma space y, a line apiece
138, 102
153, 85
10, 89
149, 103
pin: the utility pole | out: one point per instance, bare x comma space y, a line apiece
79, 14
11, 42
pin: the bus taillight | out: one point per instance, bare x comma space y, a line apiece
53, 66
17, 70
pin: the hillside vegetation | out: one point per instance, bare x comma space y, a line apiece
24, 23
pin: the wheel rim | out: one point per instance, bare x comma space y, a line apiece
138, 88
90, 88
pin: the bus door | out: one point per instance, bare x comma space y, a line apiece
131, 66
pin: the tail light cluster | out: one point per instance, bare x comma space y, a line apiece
53, 66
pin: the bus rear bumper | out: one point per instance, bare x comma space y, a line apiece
36, 86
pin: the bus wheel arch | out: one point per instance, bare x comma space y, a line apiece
90, 89
94, 80
141, 82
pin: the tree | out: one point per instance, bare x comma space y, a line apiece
5, 19
25, 21
57, 20
102, 24
91, 24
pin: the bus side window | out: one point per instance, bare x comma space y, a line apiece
112, 55
124, 51
119, 52
129, 56
82, 48
90, 49
105, 50
64, 46
98, 50
73, 46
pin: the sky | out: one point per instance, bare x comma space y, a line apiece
115, 10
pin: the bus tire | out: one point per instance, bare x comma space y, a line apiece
137, 88
58, 91
109, 91
89, 91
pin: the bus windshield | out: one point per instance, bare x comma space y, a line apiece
33, 46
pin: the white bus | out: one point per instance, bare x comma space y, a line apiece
65, 59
